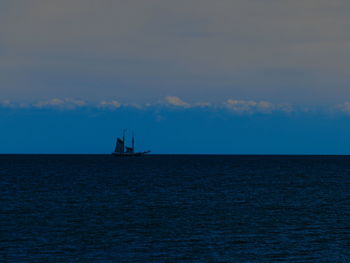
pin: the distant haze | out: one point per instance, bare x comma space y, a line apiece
142, 51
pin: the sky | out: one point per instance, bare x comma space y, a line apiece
194, 76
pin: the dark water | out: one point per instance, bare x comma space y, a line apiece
174, 209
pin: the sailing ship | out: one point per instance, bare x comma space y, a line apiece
122, 150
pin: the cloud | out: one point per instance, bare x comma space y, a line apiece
110, 104
67, 103
54, 103
249, 106
6, 104
343, 107
176, 101
235, 106
14, 105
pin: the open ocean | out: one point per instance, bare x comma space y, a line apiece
174, 208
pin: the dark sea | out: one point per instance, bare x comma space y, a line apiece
174, 208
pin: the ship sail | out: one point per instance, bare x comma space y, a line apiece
129, 149
132, 148
119, 148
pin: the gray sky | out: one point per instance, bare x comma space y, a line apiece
283, 51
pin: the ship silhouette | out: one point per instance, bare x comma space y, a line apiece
122, 150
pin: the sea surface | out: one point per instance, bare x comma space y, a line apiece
174, 208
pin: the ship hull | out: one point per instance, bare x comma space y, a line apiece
129, 154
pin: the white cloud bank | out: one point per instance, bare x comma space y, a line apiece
235, 106
249, 106
176, 101
113, 104
344, 108
67, 103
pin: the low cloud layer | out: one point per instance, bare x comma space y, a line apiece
113, 104
244, 106
343, 107
60, 103
176, 101
234, 106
